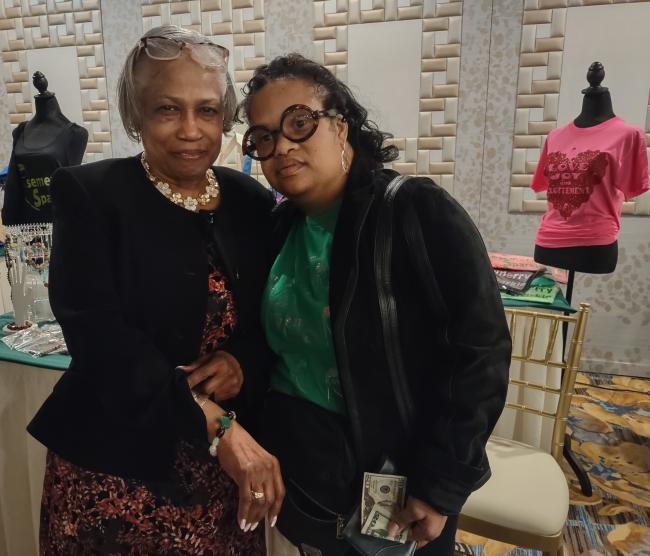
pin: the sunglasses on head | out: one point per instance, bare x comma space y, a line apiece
205, 53
297, 123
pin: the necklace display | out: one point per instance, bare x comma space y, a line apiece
186, 201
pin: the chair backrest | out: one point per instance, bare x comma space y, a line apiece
537, 341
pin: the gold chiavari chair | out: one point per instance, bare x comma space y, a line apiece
526, 501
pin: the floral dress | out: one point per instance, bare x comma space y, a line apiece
195, 512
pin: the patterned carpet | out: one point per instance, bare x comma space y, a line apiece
610, 424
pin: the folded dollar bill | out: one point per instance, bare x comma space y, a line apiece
377, 526
382, 497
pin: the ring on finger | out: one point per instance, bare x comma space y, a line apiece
257, 495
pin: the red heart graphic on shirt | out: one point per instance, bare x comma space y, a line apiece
571, 181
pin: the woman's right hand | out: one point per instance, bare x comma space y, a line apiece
252, 468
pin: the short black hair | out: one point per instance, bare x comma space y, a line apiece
364, 136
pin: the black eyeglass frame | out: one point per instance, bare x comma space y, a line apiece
225, 53
316, 115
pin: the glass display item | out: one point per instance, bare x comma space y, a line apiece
27, 254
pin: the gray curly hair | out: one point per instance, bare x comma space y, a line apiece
128, 92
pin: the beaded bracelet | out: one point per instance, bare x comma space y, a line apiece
224, 423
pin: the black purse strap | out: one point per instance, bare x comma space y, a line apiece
387, 304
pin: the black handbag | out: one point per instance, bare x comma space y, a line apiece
318, 451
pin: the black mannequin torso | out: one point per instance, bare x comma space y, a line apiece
596, 109
597, 103
593, 259
41, 145
48, 121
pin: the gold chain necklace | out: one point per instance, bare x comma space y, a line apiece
188, 202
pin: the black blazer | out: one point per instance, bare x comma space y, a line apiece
128, 284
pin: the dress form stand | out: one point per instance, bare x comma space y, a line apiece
41, 145
48, 121
592, 259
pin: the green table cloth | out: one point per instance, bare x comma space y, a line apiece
60, 362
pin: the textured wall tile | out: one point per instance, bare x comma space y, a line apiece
289, 27
122, 23
38, 24
496, 224
475, 53
5, 127
440, 66
393, 109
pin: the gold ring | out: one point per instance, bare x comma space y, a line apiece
257, 495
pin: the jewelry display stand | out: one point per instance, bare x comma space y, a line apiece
27, 254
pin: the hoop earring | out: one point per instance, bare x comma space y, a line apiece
344, 165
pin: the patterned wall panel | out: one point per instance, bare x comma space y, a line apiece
538, 95
241, 19
432, 152
30, 24
236, 22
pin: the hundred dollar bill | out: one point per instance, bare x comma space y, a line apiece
386, 491
377, 526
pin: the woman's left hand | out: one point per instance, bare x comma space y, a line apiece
217, 375
423, 522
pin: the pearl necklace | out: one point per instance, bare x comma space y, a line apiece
188, 202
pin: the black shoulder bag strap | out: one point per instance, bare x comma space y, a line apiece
387, 304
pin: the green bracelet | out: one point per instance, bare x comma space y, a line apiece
224, 422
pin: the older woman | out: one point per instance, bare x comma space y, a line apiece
335, 390
157, 271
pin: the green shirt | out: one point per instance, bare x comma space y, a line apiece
296, 316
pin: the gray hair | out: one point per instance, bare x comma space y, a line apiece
128, 92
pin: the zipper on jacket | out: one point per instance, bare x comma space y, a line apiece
340, 525
341, 344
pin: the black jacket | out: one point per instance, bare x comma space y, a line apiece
455, 340
128, 284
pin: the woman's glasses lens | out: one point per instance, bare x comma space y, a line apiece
298, 124
210, 55
260, 143
161, 48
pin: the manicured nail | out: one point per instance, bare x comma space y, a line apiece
254, 526
248, 527
273, 521
242, 524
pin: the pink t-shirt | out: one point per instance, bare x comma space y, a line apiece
588, 173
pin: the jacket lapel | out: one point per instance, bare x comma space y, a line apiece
344, 259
